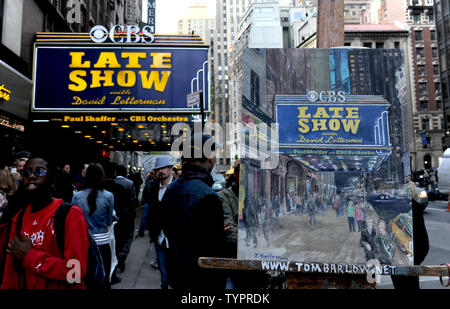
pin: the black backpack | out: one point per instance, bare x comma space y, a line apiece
95, 274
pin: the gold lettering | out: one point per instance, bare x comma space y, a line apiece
352, 112
107, 79
302, 112
107, 58
161, 60
337, 111
133, 59
303, 123
126, 78
77, 58
80, 84
322, 123
321, 113
351, 125
160, 84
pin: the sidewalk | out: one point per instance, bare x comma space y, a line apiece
139, 274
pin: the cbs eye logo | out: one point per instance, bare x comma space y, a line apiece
99, 34
326, 96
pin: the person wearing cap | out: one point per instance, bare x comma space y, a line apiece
193, 218
153, 195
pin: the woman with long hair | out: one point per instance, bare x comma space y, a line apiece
98, 206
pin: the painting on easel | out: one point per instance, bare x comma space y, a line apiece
339, 191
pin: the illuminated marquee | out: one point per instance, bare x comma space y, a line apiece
147, 79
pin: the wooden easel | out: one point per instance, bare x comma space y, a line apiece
315, 280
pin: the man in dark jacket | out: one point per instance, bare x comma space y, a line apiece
153, 196
193, 219
126, 211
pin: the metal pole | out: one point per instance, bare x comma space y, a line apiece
202, 110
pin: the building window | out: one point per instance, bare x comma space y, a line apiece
423, 88
418, 35
396, 45
433, 35
434, 52
379, 45
419, 52
435, 69
368, 44
437, 87
425, 124
423, 106
254, 88
421, 70
416, 18
439, 104
431, 16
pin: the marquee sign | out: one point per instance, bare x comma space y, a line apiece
354, 122
151, 79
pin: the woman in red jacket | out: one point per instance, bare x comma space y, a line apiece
34, 260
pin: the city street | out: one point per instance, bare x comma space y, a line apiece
139, 273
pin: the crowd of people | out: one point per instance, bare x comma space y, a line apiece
48, 219
101, 206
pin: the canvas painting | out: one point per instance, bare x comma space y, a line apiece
338, 189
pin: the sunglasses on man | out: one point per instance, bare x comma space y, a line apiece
39, 172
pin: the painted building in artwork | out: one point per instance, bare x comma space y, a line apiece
428, 125
369, 66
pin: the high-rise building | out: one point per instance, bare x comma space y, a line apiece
197, 22
228, 16
442, 11
260, 27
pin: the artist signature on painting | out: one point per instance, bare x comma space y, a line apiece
269, 256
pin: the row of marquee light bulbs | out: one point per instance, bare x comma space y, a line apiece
120, 129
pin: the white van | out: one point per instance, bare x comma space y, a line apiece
444, 173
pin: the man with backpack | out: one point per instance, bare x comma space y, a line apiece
36, 258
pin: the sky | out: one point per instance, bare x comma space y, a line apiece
169, 11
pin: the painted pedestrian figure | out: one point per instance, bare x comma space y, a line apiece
368, 234
312, 210
251, 223
384, 246
350, 216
